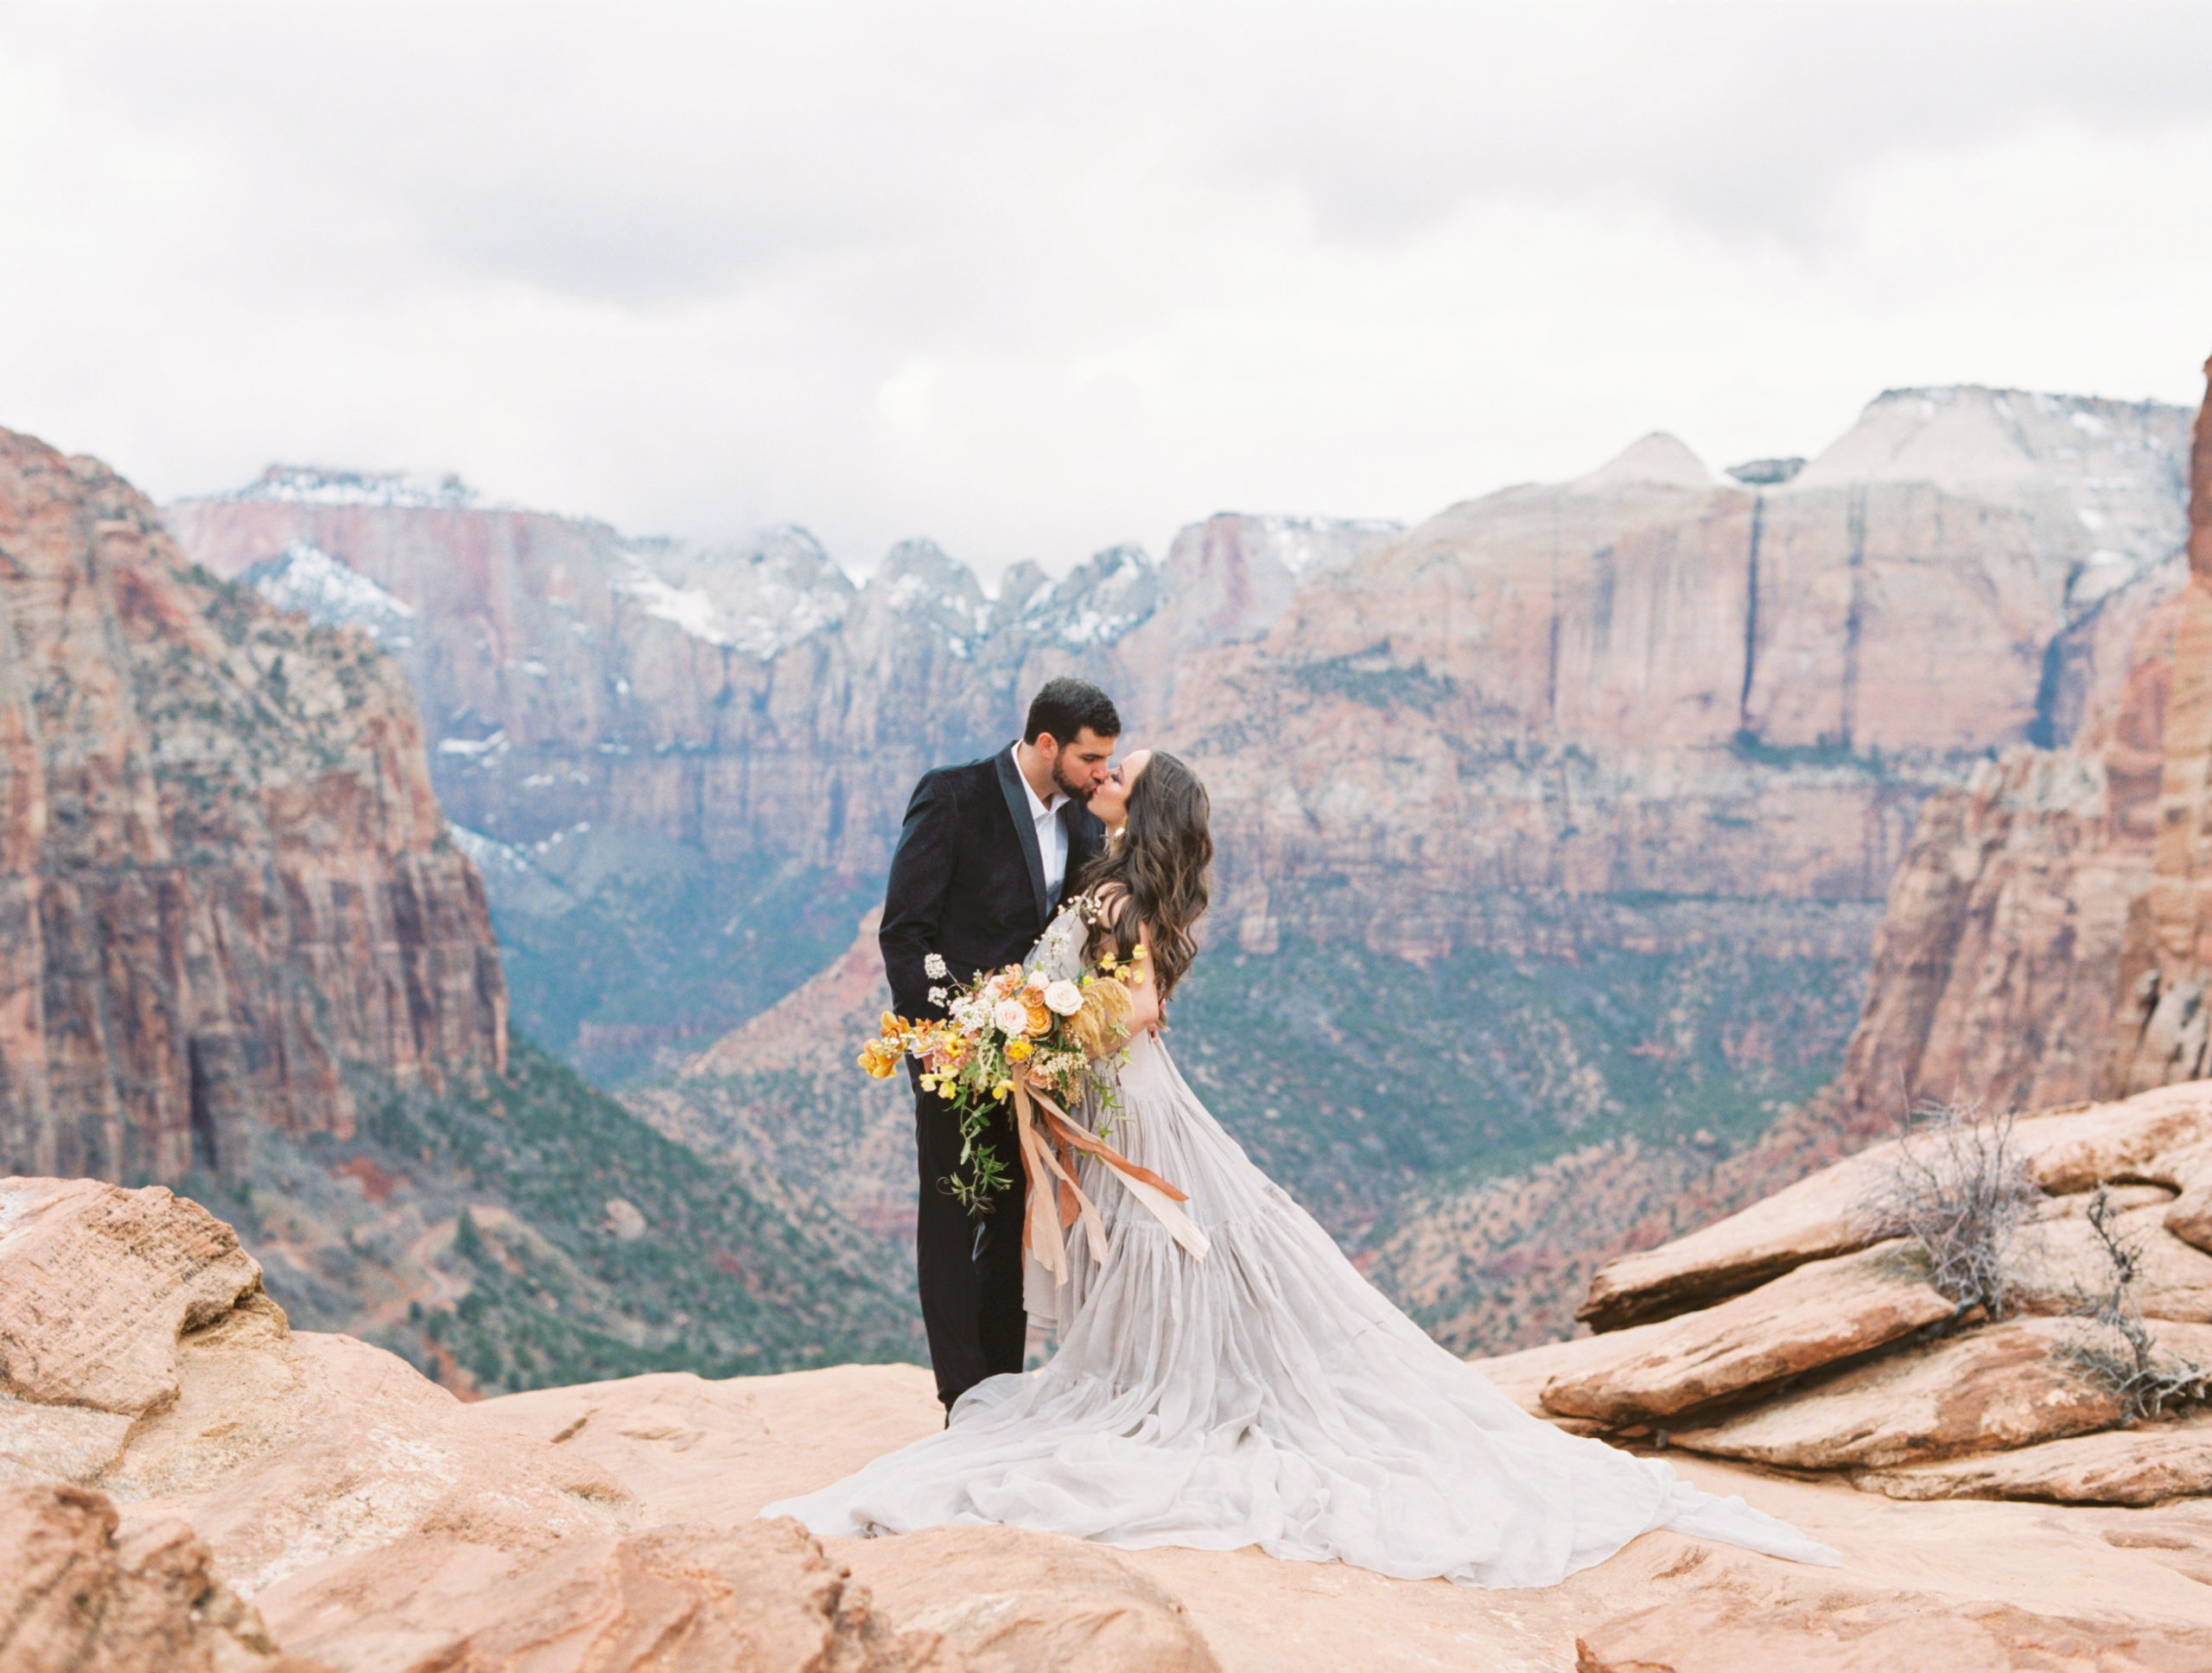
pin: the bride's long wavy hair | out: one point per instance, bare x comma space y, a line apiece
1162, 859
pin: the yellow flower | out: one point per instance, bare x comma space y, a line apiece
1016, 1050
929, 1083
1002, 1089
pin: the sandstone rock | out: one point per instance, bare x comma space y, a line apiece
75, 1598
222, 876
96, 1285
1820, 1313
2122, 1198
2190, 1217
2146, 1465
376, 1520
379, 1524
1811, 1220
2150, 1136
2004, 1385
1524, 1375
1012, 1601
2155, 1136
715, 1451
669, 1601
74, 1442
1727, 1634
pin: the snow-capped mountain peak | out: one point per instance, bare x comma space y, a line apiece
318, 485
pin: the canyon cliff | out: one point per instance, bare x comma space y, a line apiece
1657, 684
1554, 833
683, 767
223, 878
2043, 940
240, 951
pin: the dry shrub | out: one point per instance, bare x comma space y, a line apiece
1960, 1189
2118, 1351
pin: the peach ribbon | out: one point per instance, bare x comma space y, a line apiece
1046, 1136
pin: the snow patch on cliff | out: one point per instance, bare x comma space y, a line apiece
330, 593
1098, 601
760, 598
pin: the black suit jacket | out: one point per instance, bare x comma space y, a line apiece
968, 879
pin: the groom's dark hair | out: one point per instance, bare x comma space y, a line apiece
1064, 706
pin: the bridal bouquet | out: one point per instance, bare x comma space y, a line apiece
1013, 1030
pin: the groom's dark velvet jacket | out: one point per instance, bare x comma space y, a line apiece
968, 879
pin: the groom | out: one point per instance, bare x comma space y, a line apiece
985, 854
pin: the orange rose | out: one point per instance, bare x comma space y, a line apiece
1040, 1017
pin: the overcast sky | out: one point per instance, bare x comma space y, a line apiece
1036, 278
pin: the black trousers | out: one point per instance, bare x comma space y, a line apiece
968, 1267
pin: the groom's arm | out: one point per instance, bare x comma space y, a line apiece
913, 901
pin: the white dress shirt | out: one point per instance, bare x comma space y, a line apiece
1052, 835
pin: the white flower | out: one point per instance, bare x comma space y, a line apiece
933, 967
1038, 979
1064, 997
1011, 1016
937, 996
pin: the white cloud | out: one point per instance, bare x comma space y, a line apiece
1032, 280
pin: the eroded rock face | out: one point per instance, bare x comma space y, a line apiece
223, 874
2018, 1408
313, 1492
2159, 1136
2147, 1466
2003, 1386
2045, 937
96, 1286
81, 1598
1818, 1314
373, 1519
1494, 704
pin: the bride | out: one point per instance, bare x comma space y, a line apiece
1264, 1393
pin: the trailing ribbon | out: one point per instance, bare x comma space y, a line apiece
1046, 1136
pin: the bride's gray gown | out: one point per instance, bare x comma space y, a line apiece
1267, 1395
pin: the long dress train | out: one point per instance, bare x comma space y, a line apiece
1267, 1395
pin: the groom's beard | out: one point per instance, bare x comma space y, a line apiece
1081, 792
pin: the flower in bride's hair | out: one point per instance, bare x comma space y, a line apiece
1011, 1016
1064, 997
933, 967
1016, 1050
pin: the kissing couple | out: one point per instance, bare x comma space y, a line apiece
1259, 1392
